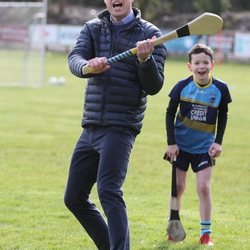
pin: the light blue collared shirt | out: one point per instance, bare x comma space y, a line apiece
130, 17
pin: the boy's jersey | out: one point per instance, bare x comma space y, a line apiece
198, 109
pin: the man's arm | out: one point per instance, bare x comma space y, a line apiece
151, 70
81, 53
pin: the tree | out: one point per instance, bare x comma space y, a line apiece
153, 10
215, 6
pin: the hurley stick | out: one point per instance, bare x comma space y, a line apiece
205, 24
175, 229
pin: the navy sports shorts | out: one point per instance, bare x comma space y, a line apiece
197, 161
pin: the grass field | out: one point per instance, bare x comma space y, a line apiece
38, 130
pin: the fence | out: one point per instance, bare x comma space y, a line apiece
228, 45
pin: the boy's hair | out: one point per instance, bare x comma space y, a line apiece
200, 48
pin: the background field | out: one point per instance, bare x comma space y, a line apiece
38, 130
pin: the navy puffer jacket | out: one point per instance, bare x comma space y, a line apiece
117, 96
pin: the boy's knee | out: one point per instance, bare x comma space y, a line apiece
204, 189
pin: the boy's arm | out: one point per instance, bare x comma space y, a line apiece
170, 117
216, 148
222, 122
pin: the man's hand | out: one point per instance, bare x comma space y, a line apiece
215, 150
98, 65
145, 49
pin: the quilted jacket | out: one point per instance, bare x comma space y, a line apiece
118, 96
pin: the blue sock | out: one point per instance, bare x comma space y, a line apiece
205, 227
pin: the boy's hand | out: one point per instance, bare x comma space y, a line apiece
172, 152
215, 150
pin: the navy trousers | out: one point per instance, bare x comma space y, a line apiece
101, 156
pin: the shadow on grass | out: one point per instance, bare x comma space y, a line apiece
163, 245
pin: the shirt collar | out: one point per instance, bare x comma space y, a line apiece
125, 20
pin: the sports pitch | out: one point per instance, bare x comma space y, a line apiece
38, 130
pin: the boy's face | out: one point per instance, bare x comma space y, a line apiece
119, 9
201, 65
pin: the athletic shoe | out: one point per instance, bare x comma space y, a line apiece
206, 240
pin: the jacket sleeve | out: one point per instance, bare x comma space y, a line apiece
81, 52
151, 73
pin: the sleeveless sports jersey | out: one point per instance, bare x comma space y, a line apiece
197, 115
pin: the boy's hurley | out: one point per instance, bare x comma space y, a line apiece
175, 230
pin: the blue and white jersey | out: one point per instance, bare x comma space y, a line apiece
195, 123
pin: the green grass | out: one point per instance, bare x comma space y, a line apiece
38, 130
25, 67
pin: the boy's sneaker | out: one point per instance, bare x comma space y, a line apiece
206, 240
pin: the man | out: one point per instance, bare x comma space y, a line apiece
115, 102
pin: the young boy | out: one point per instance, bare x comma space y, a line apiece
195, 137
